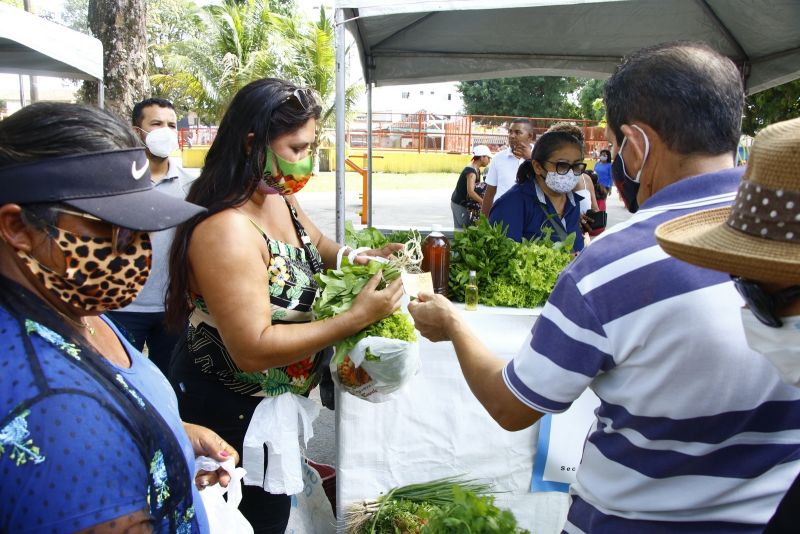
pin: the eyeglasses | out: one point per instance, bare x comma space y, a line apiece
763, 304
121, 237
304, 96
563, 167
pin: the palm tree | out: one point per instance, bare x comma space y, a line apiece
239, 44
312, 63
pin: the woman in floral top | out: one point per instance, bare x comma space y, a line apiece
247, 270
90, 438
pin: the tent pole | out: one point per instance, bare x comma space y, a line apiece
21, 92
101, 94
340, 89
368, 202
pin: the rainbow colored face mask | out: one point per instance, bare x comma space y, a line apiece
291, 177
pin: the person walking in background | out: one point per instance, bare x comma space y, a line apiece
603, 170
242, 279
503, 172
142, 322
464, 195
757, 241
90, 436
684, 402
543, 202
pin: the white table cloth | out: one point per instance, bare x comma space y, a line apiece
434, 427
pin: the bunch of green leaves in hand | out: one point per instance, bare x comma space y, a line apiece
369, 237
340, 287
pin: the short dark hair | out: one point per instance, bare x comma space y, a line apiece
527, 122
138, 110
689, 93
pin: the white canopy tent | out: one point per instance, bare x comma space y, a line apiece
422, 41
35, 46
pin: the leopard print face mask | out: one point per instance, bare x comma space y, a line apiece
96, 279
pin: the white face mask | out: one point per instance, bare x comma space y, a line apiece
603, 159
161, 142
781, 346
561, 183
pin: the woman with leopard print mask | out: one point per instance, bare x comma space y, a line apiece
90, 437
242, 280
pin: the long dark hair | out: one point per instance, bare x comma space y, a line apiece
268, 109
547, 144
46, 130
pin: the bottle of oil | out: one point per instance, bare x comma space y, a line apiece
471, 293
436, 259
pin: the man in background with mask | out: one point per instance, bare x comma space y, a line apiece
757, 241
142, 322
685, 438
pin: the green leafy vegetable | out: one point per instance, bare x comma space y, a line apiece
339, 287
519, 275
471, 513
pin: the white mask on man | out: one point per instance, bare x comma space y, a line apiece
781, 346
161, 142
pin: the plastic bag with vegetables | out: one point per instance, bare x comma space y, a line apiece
380, 359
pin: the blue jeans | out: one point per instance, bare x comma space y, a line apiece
140, 328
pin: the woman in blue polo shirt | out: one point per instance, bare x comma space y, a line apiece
542, 201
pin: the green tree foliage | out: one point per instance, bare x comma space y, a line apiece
773, 105
529, 96
312, 63
590, 100
238, 44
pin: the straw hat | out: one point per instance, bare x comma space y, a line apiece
758, 237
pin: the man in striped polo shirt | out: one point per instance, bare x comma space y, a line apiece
695, 431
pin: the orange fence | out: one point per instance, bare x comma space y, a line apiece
429, 132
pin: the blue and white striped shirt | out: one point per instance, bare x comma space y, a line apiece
695, 432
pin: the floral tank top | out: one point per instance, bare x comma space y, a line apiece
292, 290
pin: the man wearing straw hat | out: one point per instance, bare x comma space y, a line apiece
757, 241
686, 438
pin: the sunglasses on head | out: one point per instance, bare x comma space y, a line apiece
563, 167
121, 237
763, 304
306, 98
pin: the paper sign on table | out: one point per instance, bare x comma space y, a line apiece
414, 283
560, 445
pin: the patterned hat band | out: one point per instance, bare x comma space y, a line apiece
768, 213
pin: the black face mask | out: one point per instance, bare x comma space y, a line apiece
627, 188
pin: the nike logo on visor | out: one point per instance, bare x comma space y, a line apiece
138, 173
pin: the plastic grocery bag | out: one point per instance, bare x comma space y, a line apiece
275, 423
376, 367
311, 511
224, 516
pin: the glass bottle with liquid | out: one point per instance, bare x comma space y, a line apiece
436, 259
471, 293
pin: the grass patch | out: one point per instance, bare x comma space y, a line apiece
325, 182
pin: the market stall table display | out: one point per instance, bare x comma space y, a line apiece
434, 427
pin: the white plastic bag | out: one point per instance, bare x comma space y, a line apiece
311, 511
224, 516
275, 423
392, 363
